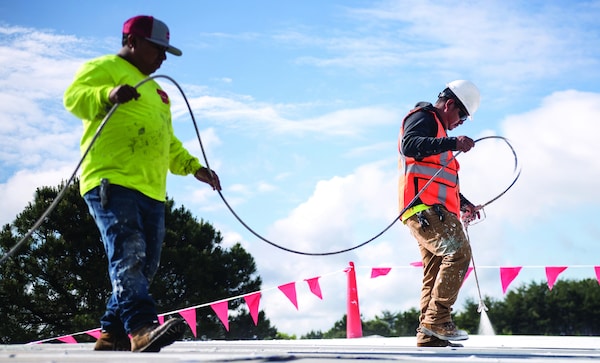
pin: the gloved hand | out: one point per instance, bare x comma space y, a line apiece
470, 213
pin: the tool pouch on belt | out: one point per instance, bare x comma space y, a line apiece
438, 210
423, 219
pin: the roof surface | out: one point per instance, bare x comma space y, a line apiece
479, 348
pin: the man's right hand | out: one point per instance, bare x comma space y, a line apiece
464, 143
123, 93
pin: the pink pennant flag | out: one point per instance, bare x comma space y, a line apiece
469, 270
315, 288
380, 271
67, 339
222, 310
95, 333
507, 275
552, 274
289, 290
597, 269
189, 316
253, 301
417, 264
161, 319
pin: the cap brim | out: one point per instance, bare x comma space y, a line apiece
171, 49
174, 51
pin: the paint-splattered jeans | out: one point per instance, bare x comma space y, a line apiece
132, 227
446, 254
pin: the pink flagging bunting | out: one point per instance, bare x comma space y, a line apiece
222, 311
380, 271
67, 339
507, 275
189, 316
315, 287
289, 290
552, 273
253, 301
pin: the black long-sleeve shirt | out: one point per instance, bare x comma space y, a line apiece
419, 138
420, 130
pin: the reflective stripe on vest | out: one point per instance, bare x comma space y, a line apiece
444, 188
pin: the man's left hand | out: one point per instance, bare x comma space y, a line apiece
209, 177
470, 213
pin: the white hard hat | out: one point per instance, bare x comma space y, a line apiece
467, 93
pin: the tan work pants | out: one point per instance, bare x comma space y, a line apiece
446, 254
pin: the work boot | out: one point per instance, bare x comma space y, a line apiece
152, 337
113, 341
435, 342
444, 331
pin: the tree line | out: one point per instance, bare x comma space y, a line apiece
58, 284
572, 307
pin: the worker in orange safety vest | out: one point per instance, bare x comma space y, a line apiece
434, 217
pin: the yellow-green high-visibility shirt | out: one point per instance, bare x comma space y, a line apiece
137, 146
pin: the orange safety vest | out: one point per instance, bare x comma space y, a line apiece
444, 188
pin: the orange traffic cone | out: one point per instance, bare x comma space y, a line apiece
353, 323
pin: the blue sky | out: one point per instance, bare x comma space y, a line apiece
299, 105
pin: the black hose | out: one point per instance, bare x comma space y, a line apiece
115, 106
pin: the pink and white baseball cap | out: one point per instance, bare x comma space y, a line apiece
152, 30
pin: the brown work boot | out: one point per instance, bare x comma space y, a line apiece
152, 337
444, 331
113, 341
435, 342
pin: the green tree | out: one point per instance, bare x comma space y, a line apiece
58, 283
406, 323
470, 318
196, 269
313, 334
378, 326
338, 330
570, 308
389, 324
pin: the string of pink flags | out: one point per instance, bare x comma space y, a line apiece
221, 307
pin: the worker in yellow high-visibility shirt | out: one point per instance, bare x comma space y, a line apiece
123, 177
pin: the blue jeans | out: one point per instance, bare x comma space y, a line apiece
132, 227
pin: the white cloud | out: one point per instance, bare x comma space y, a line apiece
341, 213
255, 117
35, 70
331, 212
20, 188
507, 47
554, 143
